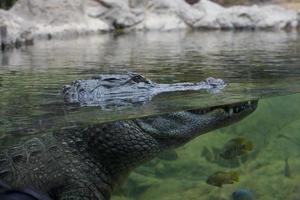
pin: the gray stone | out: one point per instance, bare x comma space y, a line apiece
32, 19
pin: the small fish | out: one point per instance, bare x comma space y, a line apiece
220, 178
242, 194
236, 147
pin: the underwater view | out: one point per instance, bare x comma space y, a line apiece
255, 158
270, 170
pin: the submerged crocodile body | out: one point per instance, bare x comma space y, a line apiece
113, 90
86, 163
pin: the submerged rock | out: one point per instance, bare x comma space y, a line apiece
31, 19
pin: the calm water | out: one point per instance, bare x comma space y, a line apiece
254, 64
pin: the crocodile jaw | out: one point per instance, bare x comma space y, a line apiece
175, 129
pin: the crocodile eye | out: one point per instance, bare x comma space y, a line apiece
138, 78
110, 79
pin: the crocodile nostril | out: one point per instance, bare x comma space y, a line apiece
66, 88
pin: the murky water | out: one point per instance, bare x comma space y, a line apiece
254, 64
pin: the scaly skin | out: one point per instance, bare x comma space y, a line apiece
88, 162
113, 90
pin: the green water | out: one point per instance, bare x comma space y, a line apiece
274, 129
255, 65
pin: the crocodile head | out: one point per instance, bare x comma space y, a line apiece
115, 90
108, 90
175, 129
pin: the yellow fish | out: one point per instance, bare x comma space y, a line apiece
220, 178
236, 147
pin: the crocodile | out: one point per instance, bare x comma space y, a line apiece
121, 90
86, 162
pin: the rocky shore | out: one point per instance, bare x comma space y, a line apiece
28, 20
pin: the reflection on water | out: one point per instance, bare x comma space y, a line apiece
255, 64
270, 170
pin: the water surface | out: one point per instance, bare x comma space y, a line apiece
254, 64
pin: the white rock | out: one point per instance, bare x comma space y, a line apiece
162, 22
16, 28
240, 17
65, 18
